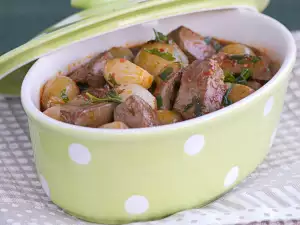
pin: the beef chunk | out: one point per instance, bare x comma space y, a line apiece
194, 45
89, 115
166, 90
202, 89
136, 113
92, 72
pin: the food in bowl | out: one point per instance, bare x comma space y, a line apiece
119, 176
167, 80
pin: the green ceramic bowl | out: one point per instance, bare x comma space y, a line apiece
120, 176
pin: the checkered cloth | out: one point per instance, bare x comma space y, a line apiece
270, 194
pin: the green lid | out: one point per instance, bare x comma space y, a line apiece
99, 16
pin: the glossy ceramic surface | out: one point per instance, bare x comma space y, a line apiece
120, 176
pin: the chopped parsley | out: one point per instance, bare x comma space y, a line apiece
111, 96
229, 77
164, 75
197, 109
241, 79
165, 55
242, 59
160, 37
187, 107
207, 40
64, 95
226, 101
244, 76
217, 46
112, 80
237, 57
255, 59
159, 101
153, 87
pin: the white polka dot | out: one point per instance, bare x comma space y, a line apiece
136, 204
9, 220
194, 144
15, 205
272, 138
231, 176
269, 106
79, 154
28, 211
3, 210
44, 186
19, 215
16, 223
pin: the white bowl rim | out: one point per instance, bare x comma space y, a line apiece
285, 68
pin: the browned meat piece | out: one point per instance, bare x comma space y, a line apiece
89, 115
202, 89
79, 100
80, 74
166, 90
194, 45
254, 84
83, 99
92, 72
258, 65
136, 113
98, 92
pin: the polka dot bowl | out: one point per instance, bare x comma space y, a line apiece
120, 176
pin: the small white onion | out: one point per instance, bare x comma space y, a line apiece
126, 90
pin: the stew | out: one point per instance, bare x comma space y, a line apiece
172, 78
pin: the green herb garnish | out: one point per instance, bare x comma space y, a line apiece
226, 101
237, 57
112, 80
160, 37
242, 61
197, 109
244, 76
165, 55
255, 59
153, 87
207, 40
217, 46
111, 96
159, 101
164, 75
64, 95
187, 107
197, 106
229, 77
